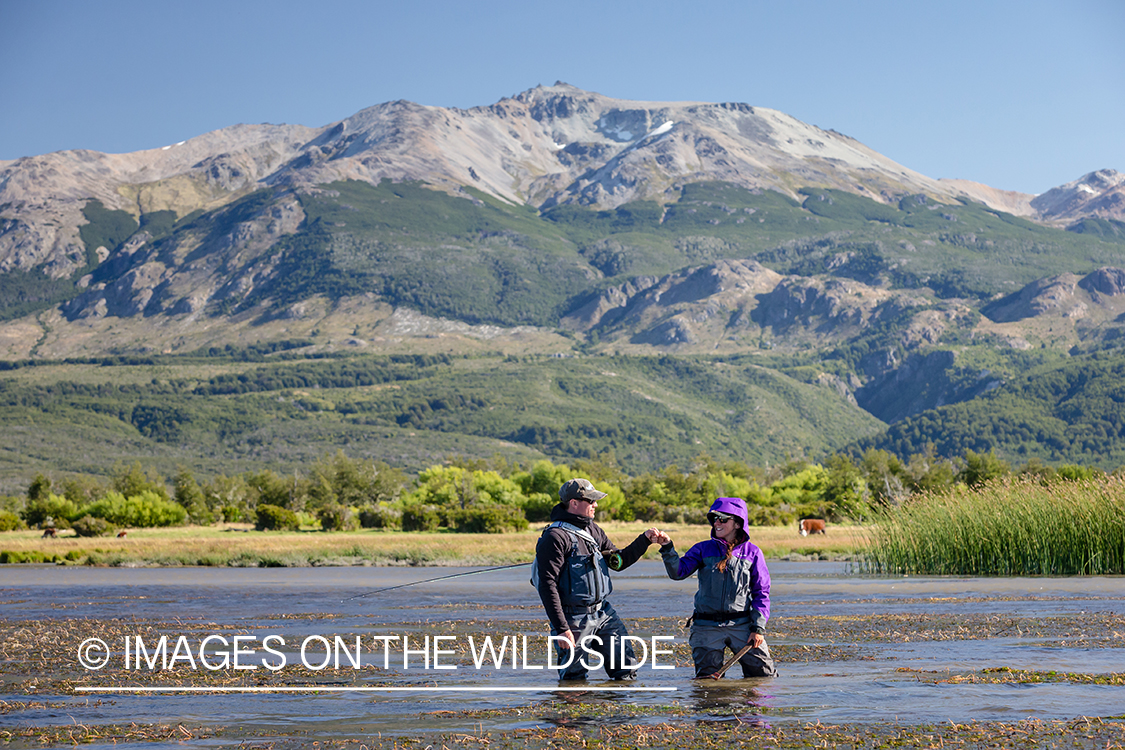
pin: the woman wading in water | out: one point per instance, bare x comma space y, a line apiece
732, 605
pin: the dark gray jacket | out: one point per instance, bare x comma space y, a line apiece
562, 584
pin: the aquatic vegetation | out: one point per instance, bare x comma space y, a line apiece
1010, 528
1007, 675
111, 734
749, 731
38, 672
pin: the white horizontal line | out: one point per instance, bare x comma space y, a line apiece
336, 689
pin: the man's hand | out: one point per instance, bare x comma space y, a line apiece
656, 536
568, 640
756, 640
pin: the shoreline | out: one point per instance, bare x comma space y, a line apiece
239, 545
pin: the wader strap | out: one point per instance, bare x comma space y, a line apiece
717, 616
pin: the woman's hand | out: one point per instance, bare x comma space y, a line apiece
656, 536
757, 640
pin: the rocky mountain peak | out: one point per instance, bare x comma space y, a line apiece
1100, 194
544, 147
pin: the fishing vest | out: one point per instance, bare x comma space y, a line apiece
584, 579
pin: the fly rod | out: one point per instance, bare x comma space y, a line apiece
731, 661
439, 578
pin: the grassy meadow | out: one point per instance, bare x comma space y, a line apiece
241, 546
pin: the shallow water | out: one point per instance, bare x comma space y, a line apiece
870, 687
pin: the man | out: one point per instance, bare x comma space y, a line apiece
572, 562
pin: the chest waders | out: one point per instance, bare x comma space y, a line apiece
584, 580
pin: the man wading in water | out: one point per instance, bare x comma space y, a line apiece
571, 572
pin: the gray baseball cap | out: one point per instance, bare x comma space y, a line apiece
579, 489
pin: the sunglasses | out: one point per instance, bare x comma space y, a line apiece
714, 518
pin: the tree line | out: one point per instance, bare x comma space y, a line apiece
491, 495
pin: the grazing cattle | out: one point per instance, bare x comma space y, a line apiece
121, 534
811, 526
50, 533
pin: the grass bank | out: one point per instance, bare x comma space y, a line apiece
241, 546
1012, 528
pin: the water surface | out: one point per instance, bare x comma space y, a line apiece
874, 680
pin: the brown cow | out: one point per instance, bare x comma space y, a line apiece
50, 532
808, 526
121, 534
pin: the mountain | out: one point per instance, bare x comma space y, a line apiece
1098, 195
561, 222
547, 146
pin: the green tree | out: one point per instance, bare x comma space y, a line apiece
980, 468
1075, 473
190, 496
144, 510
83, 489
354, 483
544, 478
268, 488
885, 474
929, 473
50, 509
845, 491
231, 498
39, 488
133, 481
800, 494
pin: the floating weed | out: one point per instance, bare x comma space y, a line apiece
742, 732
1007, 675
76, 734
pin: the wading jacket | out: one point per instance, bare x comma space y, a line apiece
744, 589
574, 575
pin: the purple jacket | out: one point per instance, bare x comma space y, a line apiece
743, 588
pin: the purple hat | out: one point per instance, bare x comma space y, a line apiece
732, 506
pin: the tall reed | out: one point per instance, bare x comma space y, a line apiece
1011, 528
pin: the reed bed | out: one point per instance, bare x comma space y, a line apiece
1010, 528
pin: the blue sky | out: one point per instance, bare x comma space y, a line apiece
1018, 95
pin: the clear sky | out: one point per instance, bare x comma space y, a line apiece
1021, 95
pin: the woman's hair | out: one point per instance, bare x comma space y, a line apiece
739, 538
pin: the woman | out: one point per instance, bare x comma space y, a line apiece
732, 605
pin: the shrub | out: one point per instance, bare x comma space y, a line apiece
232, 514
420, 518
489, 519
380, 516
93, 526
133, 481
336, 517
146, 510
276, 518
537, 507
9, 521
52, 507
646, 510
30, 556
685, 514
